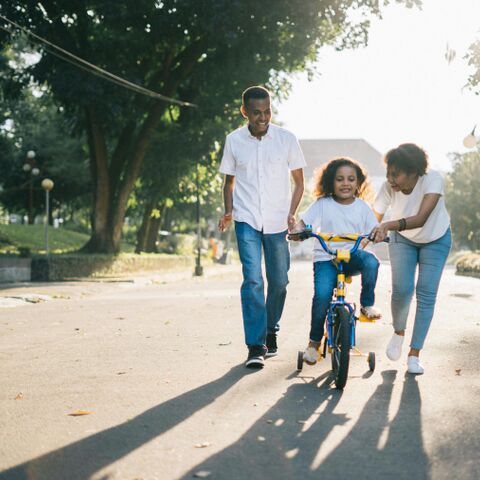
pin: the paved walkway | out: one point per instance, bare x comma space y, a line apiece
143, 379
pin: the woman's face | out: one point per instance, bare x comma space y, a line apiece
400, 180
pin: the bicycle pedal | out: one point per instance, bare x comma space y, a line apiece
365, 319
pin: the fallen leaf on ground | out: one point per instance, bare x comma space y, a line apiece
269, 421
202, 445
79, 413
19, 396
202, 474
121, 373
225, 344
458, 371
167, 322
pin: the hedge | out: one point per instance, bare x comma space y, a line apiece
67, 266
469, 265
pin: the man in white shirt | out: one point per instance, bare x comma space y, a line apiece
259, 161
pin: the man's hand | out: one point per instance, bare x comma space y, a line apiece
225, 222
291, 222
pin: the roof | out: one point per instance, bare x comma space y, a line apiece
320, 151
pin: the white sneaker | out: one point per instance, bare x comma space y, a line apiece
414, 366
372, 313
394, 347
310, 355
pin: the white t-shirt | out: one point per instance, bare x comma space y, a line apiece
262, 192
403, 206
328, 216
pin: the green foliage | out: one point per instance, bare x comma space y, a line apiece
204, 52
32, 122
463, 199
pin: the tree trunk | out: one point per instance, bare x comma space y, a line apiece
144, 229
151, 245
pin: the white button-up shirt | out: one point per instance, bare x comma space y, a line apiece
261, 168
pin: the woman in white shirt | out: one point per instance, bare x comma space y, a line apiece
419, 235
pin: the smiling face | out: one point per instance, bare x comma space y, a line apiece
400, 180
345, 184
259, 113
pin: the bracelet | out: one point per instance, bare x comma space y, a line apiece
402, 224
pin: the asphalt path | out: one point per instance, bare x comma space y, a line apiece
143, 379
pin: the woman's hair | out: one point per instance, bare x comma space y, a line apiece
408, 158
325, 176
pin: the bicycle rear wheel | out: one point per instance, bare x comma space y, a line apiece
341, 346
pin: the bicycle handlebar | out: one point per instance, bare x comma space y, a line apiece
332, 237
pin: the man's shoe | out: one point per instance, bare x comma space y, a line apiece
271, 345
394, 347
256, 356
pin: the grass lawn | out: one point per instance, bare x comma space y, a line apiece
60, 240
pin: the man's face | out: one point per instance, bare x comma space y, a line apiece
259, 114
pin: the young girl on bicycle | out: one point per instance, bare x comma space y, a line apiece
339, 187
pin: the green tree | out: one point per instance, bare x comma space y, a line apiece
32, 122
463, 199
200, 51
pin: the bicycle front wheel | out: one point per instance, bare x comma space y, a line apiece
341, 346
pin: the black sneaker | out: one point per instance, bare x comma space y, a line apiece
256, 356
271, 344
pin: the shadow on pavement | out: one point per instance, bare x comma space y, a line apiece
374, 448
82, 459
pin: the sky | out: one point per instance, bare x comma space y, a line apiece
400, 88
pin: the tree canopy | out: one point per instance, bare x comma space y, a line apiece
202, 52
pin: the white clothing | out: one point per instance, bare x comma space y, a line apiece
329, 216
262, 192
403, 206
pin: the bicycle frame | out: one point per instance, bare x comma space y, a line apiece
342, 256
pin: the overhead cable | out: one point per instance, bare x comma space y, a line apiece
90, 67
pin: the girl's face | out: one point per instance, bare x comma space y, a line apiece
400, 180
345, 184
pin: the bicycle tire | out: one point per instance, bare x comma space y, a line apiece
341, 346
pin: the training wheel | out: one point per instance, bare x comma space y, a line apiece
371, 361
300, 361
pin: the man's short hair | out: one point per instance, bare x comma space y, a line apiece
254, 93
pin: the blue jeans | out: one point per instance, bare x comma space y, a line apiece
405, 255
325, 280
259, 316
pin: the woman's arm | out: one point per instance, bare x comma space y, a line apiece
429, 202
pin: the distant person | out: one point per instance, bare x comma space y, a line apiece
259, 160
339, 187
420, 237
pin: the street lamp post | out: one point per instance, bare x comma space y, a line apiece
29, 167
47, 185
198, 265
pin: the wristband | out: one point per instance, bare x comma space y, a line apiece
402, 224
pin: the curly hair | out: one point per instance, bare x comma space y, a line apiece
408, 158
325, 176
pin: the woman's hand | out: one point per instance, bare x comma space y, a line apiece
380, 232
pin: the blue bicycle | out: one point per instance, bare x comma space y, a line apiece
341, 317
